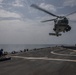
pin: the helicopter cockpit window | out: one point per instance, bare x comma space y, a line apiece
64, 21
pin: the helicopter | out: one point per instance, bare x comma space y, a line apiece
61, 23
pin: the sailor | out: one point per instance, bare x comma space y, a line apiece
1, 52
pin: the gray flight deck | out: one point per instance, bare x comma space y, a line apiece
45, 61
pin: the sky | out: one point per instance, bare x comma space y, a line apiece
20, 23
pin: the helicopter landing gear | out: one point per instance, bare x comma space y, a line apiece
64, 31
54, 29
54, 34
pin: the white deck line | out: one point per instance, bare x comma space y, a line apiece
43, 58
62, 54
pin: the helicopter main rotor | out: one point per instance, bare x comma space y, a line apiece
49, 20
41, 9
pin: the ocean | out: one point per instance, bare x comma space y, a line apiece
18, 47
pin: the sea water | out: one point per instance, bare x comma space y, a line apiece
18, 47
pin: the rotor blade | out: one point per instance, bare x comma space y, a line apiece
48, 20
39, 8
71, 13
73, 21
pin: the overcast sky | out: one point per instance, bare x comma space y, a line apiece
20, 23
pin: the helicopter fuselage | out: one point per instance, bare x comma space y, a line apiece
61, 26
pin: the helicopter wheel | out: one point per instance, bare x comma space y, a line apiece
57, 35
54, 29
63, 31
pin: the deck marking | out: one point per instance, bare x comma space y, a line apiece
62, 54
43, 58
